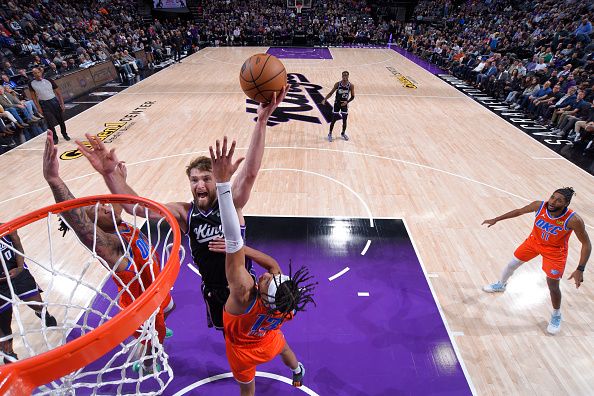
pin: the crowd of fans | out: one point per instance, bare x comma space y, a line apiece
538, 57
271, 22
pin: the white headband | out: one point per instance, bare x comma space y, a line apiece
276, 280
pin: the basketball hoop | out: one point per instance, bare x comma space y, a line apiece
63, 365
299, 7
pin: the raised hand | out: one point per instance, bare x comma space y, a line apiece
217, 245
121, 170
104, 161
51, 168
490, 222
265, 110
223, 166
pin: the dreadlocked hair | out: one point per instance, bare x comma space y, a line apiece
567, 192
293, 295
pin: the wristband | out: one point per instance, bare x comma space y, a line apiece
581, 267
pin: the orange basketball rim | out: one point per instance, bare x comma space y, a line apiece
24, 376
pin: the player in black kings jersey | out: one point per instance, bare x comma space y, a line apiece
199, 219
345, 93
24, 287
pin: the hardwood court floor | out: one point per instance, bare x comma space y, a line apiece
428, 155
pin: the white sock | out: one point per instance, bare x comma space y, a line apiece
229, 219
509, 269
298, 369
557, 312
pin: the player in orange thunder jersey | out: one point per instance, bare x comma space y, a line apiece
553, 225
254, 311
126, 261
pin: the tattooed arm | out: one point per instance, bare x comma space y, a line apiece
108, 246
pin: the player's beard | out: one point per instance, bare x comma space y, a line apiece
553, 208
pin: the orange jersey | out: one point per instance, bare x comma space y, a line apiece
254, 328
139, 274
252, 338
551, 232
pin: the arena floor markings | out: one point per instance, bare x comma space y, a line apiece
375, 330
300, 53
419, 150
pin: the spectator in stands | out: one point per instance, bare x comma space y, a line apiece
71, 65
123, 67
134, 63
7, 135
13, 105
177, 45
9, 117
582, 33
9, 70
58, 58
7, 82
21, 78
51, 71
581, 111
564, 104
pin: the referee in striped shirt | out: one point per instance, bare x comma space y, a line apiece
49, 101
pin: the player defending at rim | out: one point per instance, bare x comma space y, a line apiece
553, 224
345, 93
255, 310
139, 257
200, 219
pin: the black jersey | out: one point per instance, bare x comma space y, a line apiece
202, 228
343, 92
9, 255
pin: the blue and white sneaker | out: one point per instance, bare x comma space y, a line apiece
496, 287
555, 324
298, 378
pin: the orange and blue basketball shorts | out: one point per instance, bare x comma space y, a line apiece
244, 359
553, 257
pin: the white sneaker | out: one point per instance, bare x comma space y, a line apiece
555, 324
496, 287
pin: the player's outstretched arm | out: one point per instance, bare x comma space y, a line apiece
246, 177
577, 225
114, 174
530, 208
108, 246
240, 281
262, 259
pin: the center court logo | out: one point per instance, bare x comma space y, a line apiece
301, 98
111, 131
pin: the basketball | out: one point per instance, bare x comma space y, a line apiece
261, 76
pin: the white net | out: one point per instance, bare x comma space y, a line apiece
56, 289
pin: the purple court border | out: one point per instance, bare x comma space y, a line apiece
300, 52
324, 53
209, 366
416, 59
